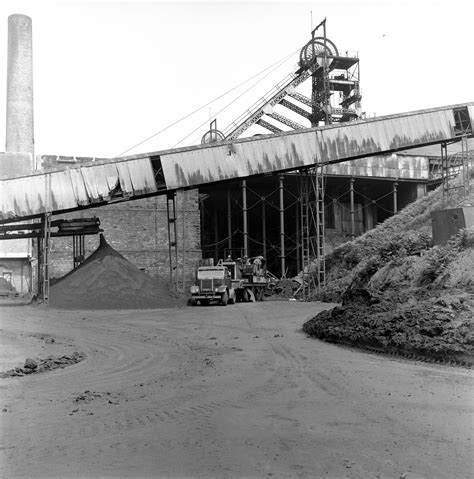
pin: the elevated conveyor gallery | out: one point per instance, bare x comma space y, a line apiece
103, 182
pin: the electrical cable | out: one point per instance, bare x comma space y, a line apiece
204, 106
278, 64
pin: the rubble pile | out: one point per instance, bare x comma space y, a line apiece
400, 293
34, 366
106, 280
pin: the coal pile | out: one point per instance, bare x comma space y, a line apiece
106, 280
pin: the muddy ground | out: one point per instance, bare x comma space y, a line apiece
224, 392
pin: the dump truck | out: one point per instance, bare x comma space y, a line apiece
213, 284
254, 276
246, 280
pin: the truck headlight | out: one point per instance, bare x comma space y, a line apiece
220, 289
194, 289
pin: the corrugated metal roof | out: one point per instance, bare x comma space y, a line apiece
76, 187
303, 148
85, 185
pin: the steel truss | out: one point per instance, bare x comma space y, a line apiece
44, 245
312, 189
458, 165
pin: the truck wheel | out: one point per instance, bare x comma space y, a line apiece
224, 299
192, 302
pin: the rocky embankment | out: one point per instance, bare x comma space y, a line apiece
401, 294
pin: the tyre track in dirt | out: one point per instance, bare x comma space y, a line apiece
195, 392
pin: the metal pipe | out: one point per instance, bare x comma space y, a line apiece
297, 216
264, 229
352, 209
183, 213
229, 223
39, 289
216, 234
244, 212
282, 229
395, 197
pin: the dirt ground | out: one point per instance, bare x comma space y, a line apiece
224, 392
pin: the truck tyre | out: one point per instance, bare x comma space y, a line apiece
192, 302
224, 299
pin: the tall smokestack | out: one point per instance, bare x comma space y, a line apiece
19, 132
15, 255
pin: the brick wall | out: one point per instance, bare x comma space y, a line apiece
139, 231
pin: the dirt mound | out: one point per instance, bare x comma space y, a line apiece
399, 292
106, 280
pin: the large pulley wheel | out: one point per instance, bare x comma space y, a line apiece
212, 136
317, 47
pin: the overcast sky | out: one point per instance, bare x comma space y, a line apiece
109, 74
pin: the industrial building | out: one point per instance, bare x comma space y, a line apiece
322, 174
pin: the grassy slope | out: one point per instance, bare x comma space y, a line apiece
400, 292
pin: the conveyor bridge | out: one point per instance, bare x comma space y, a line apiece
82, 185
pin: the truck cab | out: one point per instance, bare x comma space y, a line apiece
213, 283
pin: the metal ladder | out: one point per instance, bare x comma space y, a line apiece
312, 230
46, 240
172, 240
456, 165
305, 234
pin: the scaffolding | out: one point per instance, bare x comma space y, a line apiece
459, 167
312, 221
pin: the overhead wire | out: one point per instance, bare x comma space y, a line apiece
278, 63
275, 65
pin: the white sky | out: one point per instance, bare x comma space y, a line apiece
110, 74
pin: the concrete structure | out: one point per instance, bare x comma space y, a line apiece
446, 223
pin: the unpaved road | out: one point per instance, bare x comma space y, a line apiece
222, 392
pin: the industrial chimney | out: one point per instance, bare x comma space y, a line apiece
16, 256
19, 125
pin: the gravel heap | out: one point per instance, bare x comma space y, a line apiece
106, 280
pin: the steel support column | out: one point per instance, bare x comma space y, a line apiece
216, 232
352, 211
298, 236
282, 229
244, 213
45, 255
78, 250
444, 171
395, 197
184, 197
264, 229
229, 221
